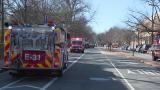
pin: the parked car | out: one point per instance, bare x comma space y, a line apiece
86, 45
150, 50
124, 47
145, 48
128, 48
138, 49
132, 48
91, 45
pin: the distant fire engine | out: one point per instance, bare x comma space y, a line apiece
77, 45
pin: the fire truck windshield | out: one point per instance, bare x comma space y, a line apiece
76, 42
27, 43
35, 39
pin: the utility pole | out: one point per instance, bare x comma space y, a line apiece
153, 6
133, 43
2, 26
2, 19
138, 36
25, 12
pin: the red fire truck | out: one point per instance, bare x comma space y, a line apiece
35, 49
77, 45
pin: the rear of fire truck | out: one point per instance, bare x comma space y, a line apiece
35, 49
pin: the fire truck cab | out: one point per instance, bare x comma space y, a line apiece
35, 49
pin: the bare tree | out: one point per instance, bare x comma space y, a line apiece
71, 13
144, 23
116, 35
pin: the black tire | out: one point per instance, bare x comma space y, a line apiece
16, 74
66, 62
65, 66
13, 74
60, 73
154, 58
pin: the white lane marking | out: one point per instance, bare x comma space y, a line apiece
100, 79
147, 72
70, 61
130, 72
157, 72
73, 63
6, 86
73, 57
54, 79
140, 72
143, 72
130, 86
25, 86
128, 63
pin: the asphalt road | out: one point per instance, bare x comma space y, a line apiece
93, 70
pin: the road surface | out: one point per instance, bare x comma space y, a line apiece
93, 70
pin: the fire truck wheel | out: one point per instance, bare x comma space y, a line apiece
65, 66
15, 74
65, 63
60, 73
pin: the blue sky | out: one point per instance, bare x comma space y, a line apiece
111, 13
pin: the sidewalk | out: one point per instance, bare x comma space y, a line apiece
143, 58
147, 57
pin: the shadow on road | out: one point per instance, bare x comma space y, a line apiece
87, 75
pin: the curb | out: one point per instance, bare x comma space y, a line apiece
141, 60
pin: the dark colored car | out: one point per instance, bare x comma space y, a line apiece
138, 49
86, 45
145, 48
91, 45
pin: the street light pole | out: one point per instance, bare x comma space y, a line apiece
2, 26
133, 43
2, 12
153, 2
